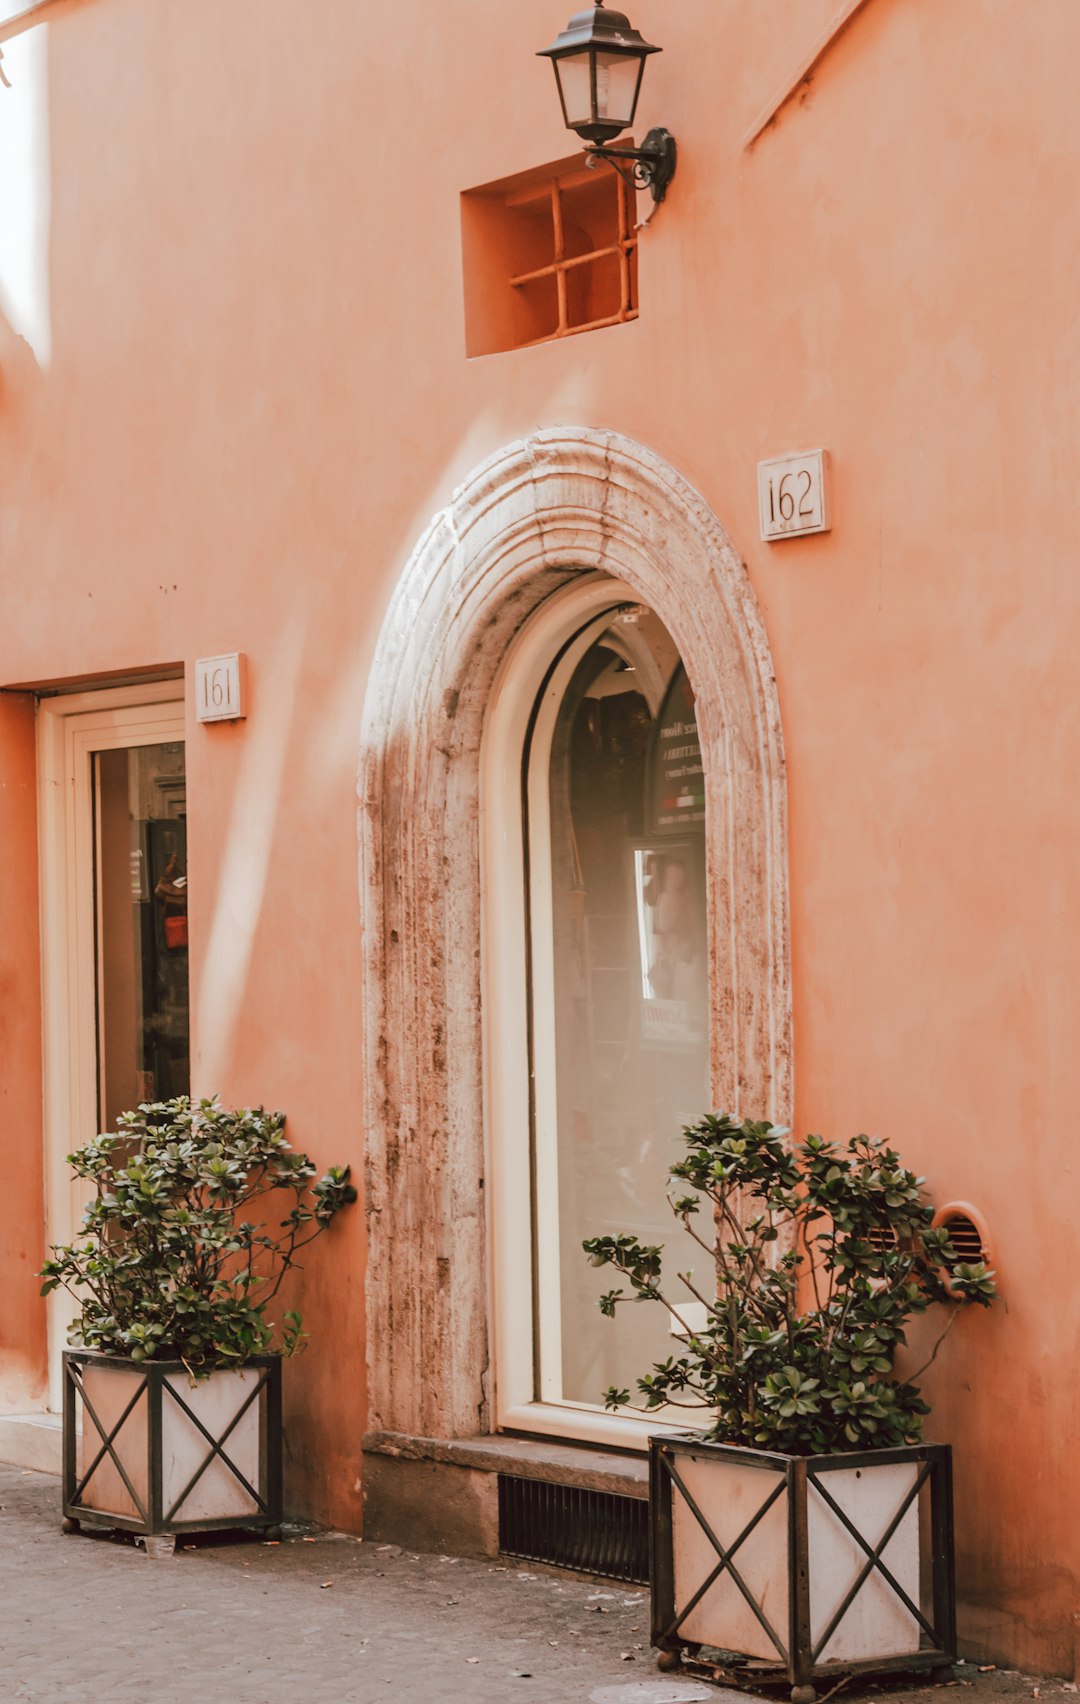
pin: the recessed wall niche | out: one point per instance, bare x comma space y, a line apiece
546, 254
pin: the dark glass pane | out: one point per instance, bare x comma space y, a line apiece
143, 1025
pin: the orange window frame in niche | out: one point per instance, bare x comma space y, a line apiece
624, 249
547, 254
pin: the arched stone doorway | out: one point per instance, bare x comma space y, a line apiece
541, 513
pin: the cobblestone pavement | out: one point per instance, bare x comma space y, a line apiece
87, 1620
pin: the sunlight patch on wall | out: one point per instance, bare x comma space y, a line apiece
255, 821
24, 184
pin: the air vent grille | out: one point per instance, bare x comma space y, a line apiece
592, 1532
965, 1237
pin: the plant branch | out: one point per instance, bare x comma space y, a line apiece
953, 1317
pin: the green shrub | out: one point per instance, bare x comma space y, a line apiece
822, 1252
180, 1252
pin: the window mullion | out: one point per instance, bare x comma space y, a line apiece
560, 254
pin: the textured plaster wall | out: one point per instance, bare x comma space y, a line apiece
259, 396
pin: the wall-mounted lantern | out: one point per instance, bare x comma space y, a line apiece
599, 62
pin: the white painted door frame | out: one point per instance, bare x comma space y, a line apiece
70, 729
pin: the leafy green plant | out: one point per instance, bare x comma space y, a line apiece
180, 1253
822, 1252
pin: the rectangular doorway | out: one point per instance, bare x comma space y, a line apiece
113, 827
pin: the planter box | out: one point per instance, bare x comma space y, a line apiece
149, 1451
802, 1567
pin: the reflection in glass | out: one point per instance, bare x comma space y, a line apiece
630, 982
667, 882
142, 959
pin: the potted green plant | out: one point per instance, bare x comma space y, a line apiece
807, 1529
172, 1384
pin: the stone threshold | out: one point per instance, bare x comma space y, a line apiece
558, 1462
443, 1493
32, 1441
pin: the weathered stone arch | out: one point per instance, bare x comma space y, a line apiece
564, 502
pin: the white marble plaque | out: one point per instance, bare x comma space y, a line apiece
791, 495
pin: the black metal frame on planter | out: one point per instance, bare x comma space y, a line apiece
798, 1657
152, 1379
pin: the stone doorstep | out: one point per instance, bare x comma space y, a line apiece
579, 1465
32, 1441
442, 1494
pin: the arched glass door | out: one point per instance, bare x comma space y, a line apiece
618, 969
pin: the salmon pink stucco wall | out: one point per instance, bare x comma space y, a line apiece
258, 396
22, 1197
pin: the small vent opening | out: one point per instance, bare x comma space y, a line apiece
882, 1239
966, 1238
967, 1233
592, 1532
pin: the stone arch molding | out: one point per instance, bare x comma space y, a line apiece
540, 512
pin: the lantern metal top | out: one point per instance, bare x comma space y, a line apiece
599, 61
599, 27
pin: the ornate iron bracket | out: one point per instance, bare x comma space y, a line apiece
651, 167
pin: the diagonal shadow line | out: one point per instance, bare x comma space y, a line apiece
107, 1441
876, 1557
217, 1445
726, 1564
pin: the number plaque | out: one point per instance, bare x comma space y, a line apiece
219, 688
791, 495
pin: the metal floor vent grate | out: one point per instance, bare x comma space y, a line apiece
593, 1532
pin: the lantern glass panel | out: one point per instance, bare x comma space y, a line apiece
614, 82
575, 83
617, 79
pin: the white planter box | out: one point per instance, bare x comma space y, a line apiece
181, 1454
803, 1565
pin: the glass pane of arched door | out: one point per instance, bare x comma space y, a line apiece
620, 995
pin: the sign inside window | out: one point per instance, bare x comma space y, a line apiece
791, 495
676, 776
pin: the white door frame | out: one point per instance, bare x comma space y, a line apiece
71, 728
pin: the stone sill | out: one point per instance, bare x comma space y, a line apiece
525, 1458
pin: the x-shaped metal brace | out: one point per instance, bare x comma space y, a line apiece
726, 1563
107, 1440
876, 1558
217, 1447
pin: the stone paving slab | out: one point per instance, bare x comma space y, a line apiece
330, 1620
